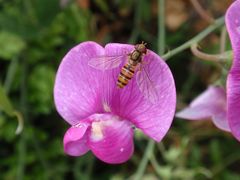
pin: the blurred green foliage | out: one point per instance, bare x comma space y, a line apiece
35, 35
11, 45
40, 93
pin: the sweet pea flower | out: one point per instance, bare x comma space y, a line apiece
101, 115
233, 80
211, 104
222, 106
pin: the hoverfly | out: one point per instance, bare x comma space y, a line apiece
134, 63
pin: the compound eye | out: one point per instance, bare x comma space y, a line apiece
137, 46
145, 51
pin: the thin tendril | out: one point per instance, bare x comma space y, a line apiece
218, 23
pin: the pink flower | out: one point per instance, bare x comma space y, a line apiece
101, 115
211, 104
233, 81
223, 107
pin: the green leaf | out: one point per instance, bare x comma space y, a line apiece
10, 44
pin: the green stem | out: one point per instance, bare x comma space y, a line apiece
33, 138
147, 155
155, 165
10, 74
22, 142
218, 23
89, 168
219, 58
7, 85
161, 27
77, 169
41, 157
137, 19
223, 39
21, 158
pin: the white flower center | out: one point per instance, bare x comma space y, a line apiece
97, 133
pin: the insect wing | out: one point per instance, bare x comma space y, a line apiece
106, 62
147, 86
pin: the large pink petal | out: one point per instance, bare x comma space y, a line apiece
81, 90
210, 104
75, 140
233, 81
77, 85
153, 119
111, 138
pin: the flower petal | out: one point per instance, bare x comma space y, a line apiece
153, 119
233, 24
75, 99
76, 90
210, 104
111, 138
75, 140
233, 81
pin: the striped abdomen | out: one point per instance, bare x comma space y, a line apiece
126, 75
